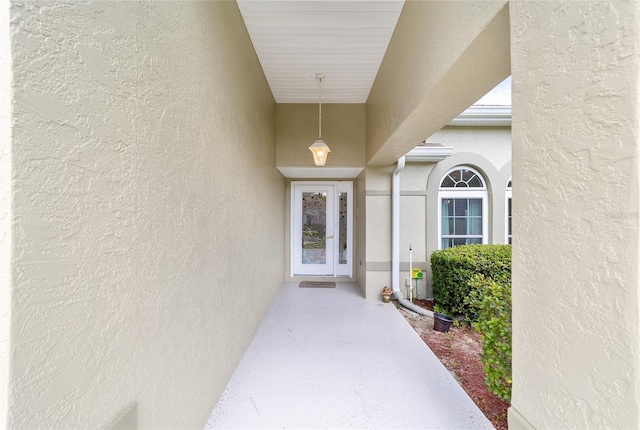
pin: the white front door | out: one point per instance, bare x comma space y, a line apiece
321, 228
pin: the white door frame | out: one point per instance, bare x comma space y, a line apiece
334, 254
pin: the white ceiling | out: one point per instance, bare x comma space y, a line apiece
345, 40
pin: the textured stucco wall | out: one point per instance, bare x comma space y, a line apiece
343, 130
576, 167
145, 187
5, 207
432, 71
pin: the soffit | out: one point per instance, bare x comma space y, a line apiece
345, 40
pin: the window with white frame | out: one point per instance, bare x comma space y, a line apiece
463, 208
508, 200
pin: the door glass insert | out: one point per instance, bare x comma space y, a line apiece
314, 227
321, 228
342, 228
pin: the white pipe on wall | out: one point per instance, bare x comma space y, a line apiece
395, 242
395, 225
410, 274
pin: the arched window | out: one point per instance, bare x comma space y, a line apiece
508, 200
463, 208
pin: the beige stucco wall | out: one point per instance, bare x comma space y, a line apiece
432, 72
377, 227
5, 208
343, 130
145, 188
493, 143
487, 149
414, 222
576, 166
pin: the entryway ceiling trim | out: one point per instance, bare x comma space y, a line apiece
321, 172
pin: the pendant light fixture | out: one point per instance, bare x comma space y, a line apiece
319, 149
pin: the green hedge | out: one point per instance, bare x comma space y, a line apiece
453, 268
492, 302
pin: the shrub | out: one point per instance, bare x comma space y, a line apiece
491, 300
453, 268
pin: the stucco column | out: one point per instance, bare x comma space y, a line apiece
5, 209
576, 345
377, 255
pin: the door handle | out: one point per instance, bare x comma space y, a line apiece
329, 237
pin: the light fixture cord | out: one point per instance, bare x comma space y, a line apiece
320, 109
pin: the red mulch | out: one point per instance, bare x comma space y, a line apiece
459, 350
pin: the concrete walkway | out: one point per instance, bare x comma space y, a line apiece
328, 358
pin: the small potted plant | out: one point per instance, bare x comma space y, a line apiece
386, 294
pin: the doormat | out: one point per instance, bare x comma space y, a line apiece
309, 284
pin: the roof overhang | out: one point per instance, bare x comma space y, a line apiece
428, 153
482, 116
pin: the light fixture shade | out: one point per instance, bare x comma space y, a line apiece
320, 152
